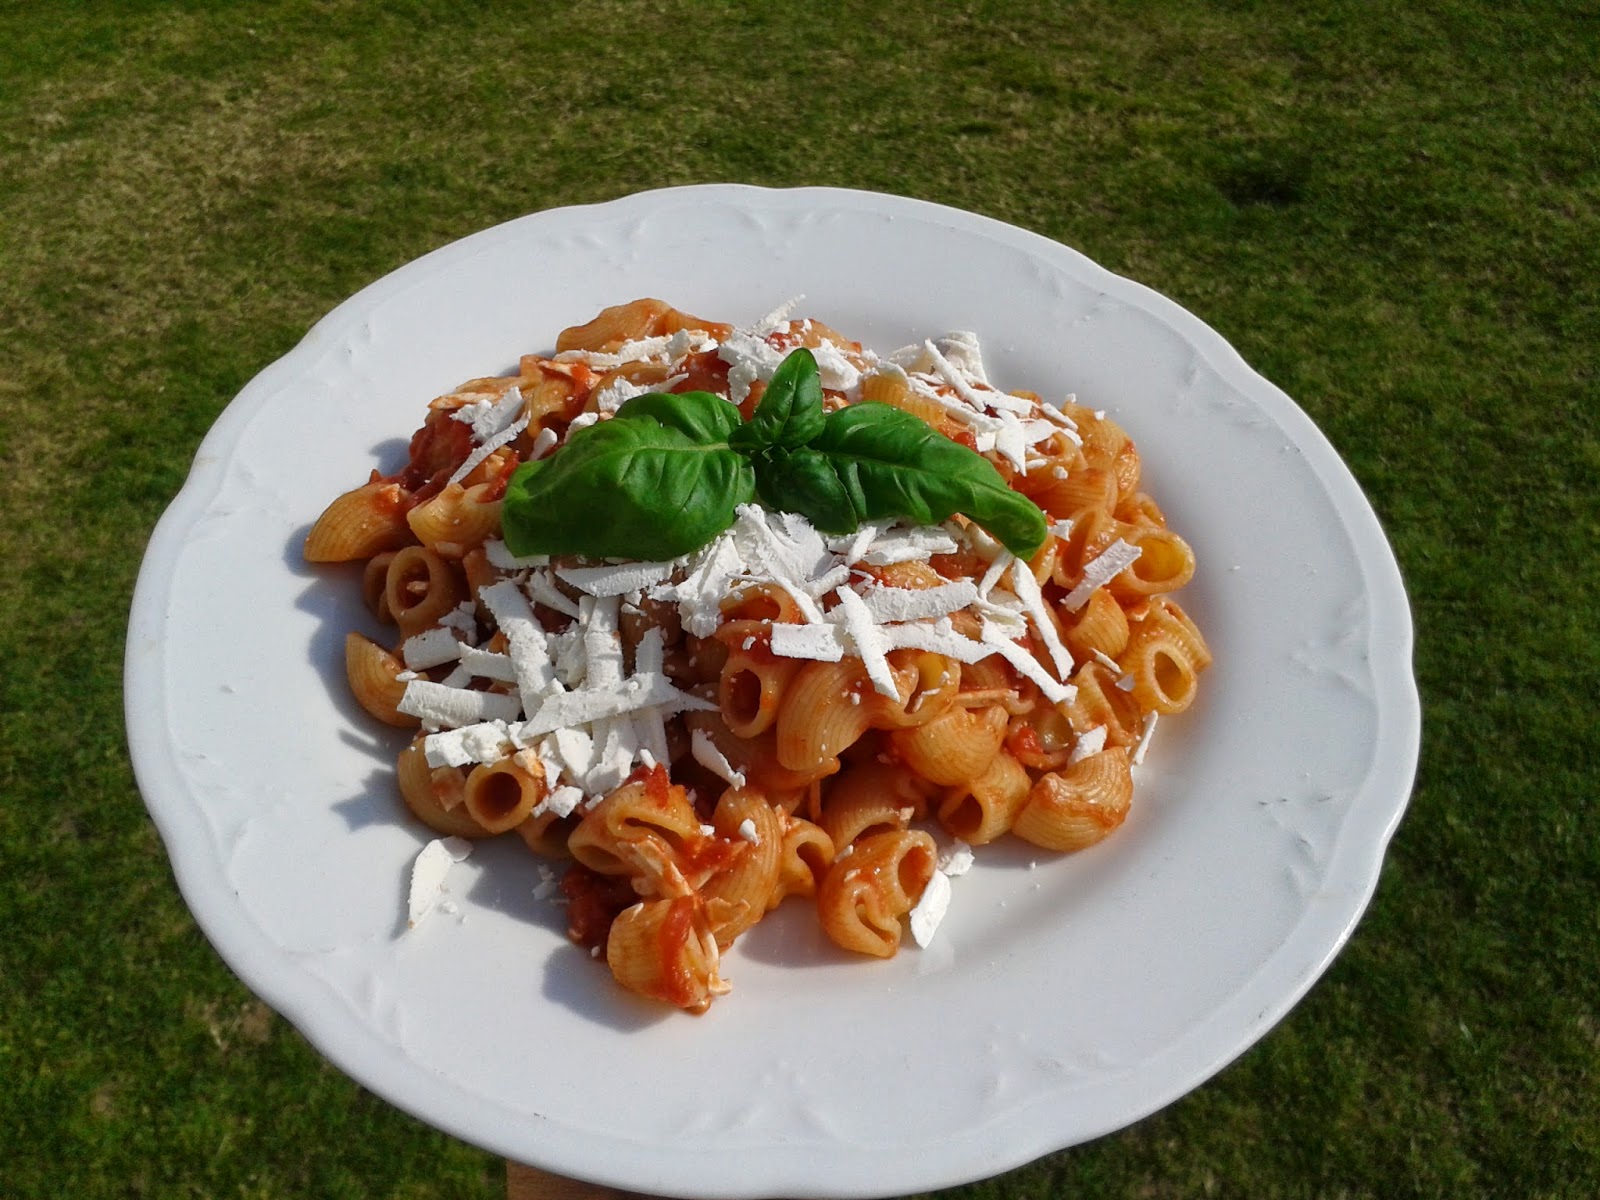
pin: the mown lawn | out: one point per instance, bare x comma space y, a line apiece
1392, 211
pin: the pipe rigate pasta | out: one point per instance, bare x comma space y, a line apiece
790, 710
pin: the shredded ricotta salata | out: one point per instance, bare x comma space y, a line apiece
975, 693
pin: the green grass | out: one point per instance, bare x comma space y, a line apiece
1392, 211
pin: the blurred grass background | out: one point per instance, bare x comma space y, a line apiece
1392, 211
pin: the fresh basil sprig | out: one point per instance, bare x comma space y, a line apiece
790, 413
665, 474
657, 480
892, 464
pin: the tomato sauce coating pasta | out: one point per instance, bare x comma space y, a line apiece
784, 711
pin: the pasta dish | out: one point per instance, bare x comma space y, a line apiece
718, 616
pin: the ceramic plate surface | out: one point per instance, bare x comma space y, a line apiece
1063, 997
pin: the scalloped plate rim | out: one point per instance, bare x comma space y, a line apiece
1355, 863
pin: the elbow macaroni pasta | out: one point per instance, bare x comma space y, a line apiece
823, 777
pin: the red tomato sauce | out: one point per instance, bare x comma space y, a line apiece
594, 901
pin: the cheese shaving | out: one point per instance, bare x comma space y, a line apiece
442, 706
618, 579
1105, 567
500, 556
1150, 720
430, 648
929, 911
1027, 590
871, 644
910, 604
1028, 666
428, 873
1091, 741
705, 753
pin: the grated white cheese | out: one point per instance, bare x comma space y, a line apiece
458, 678
1027, 665
1144, 738
930, 908
617, 579
1051, 413
602, 641
910, 604
667, 347
451, 707
705, 753
464, 618
542, 590
1091, 741
962, 349
428, 873
1026, 588
1011, 442
619, 391
871, 644
563, 710
938, 638
650, 734
997, 569
543, 443
769, 553
566, 649
749, 358
975, 419
1036, 431
959, 381
529, 651
549, 883
1107, 565
711, 570
836, 372
778, 316
617, 750
430, 648
500, 556
908, 544
487, 664
571, 750
488, 418
1106, 661
806, 546
828, 581
482, 452
484, 742
957, 859
564, 800
823, 643
855, 547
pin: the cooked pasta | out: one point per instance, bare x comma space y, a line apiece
784, 711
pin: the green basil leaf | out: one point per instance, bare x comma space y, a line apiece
804, 481
790, 413
892, 464
702, 416
631, 488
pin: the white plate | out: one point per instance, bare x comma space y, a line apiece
1063, 997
